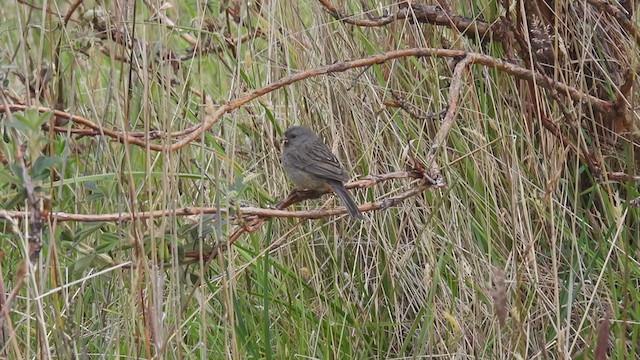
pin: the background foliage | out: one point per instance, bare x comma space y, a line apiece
530, 251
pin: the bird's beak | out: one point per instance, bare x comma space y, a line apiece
285, 141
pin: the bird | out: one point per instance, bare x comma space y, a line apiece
310, 164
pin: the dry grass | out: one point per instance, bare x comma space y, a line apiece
520, 256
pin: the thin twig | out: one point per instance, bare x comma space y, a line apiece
65, 18
400, 102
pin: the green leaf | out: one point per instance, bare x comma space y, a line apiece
40, 169
108, 242
83, 233
7, 178
19, 197
91, 186
67, 235
41, 120
17, 172
94, 197
32, 120
5, 135
18, 124
193, 230
84, 263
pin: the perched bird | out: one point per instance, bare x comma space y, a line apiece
311, 165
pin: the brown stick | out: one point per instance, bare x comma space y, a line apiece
247, 211
213, 116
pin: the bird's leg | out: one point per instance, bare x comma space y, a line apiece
297, 195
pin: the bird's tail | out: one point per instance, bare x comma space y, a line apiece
347, 200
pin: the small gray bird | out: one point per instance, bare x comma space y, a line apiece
310, 164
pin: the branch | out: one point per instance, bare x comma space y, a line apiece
47, 10
212, 116
246, 212
35, 217
267, 214
426, 14
620, 16
399, 102
452, 109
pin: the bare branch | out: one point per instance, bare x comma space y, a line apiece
426, 14
245, 212
212, 115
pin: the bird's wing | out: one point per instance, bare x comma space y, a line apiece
318, 160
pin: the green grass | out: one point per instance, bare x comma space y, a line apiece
412, 281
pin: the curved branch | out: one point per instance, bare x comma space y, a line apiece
66, 18
474, 58
212, 116
117, 135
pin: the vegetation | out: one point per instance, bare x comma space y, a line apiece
493, 147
